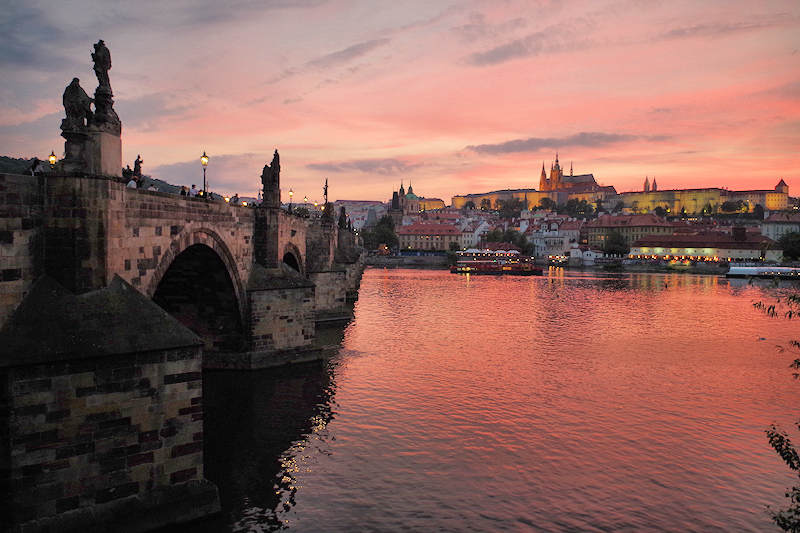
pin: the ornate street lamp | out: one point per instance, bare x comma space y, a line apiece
291, 193
52, 159
305, 199
204, 162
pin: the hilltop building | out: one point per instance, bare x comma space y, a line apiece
704, 200
556, 186
407, 203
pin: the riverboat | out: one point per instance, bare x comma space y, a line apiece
768, 272
494, 263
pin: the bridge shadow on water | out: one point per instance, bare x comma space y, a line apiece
255, 424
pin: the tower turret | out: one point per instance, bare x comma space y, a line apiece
646, 184
654, 187
543, 185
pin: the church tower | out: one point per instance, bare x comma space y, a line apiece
646, 184
654, 187
555, 175
543, 184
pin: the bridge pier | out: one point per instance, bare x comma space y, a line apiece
101, 425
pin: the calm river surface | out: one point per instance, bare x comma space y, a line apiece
571, 402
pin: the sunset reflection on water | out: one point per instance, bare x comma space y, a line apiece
574, 401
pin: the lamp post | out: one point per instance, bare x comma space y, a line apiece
52, 159
305, 199
291, 193
204, 162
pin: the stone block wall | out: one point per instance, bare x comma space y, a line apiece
321, 243
281, 319
330, 295
115, 438
292, 237
20, 238
148, 229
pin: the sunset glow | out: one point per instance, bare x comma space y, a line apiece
456, 97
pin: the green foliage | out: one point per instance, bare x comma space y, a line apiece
730, 206
790, 244
510, 208
509, 235
619, 207
469, 205
660, 211
547, 203
576, 208
599, 205
615, 244
382, 233
758, 212
787, 519
486, 204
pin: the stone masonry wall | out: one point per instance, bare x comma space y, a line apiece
331, 291
282, 319
88, 433
20, 242
292, 237
148, 229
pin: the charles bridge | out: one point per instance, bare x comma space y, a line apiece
112, 302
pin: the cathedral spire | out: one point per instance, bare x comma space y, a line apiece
646, 184
570, 168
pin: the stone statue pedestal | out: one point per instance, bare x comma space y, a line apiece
103, 152
75, 148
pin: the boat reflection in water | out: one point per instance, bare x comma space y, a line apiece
494, 262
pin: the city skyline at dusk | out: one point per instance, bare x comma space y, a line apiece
455, 97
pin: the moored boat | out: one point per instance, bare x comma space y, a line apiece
494, 262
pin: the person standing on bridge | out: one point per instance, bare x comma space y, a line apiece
193, 191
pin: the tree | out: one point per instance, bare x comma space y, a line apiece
486, 204
510, 208
660, 211
787, 519
547, 203
790, 244
729, 206
598, 204
758, 212
615, 244
619, 206
382, 233
469, 205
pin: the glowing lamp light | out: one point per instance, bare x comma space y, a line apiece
52, 158
227, 199
244, 204
204, 159
305, 199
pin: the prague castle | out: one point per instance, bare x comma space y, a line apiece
560, 188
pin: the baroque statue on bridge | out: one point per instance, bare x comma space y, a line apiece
77, 106
102, 63
271, 174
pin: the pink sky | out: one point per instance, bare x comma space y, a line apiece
457, 98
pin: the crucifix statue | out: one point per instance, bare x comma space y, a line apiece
325, 191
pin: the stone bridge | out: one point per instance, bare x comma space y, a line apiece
112, 302
197, 259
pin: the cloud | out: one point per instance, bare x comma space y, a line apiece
479, 28
384, 167
548, 41
144, 112
343, 56
726, 28
587, 139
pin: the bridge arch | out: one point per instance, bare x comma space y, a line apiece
293, 258
197, 280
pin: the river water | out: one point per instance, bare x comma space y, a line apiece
571, 402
